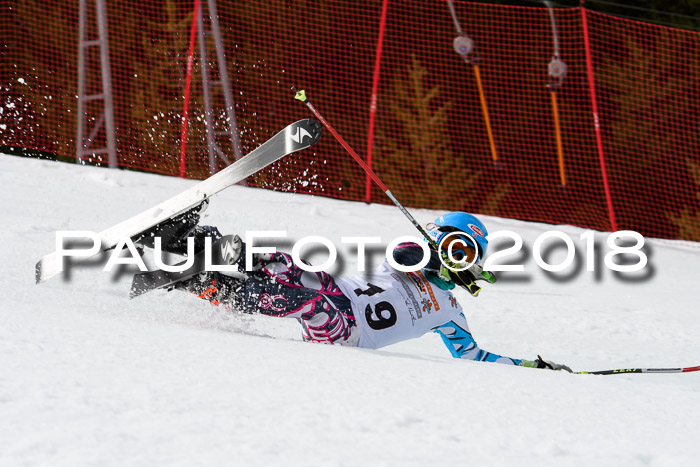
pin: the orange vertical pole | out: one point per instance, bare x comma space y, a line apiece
557, 132
485, 110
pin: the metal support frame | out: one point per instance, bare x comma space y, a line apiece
106, 118
207, 85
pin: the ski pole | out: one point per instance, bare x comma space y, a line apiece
301, 96
640, 370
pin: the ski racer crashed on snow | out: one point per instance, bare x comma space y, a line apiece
369, 310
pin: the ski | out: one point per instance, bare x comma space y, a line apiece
640, 370
223, 252
295, 137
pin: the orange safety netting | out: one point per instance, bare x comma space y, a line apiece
612, 143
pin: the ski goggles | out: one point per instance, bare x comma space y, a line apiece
462, 246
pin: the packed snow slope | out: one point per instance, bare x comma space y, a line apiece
89, 377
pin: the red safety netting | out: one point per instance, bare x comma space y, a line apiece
475, 132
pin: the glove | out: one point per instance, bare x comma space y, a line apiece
462, 278
480, 274
466, 278
547, 364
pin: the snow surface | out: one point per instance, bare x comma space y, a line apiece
89, 377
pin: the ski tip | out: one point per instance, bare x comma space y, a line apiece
138, 285
303, 134
44, 269
316, 129
133, 293
47, 267
37, 272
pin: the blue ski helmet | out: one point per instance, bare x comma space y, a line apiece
467, 223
